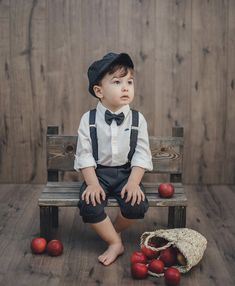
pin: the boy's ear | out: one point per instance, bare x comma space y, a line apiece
98, 91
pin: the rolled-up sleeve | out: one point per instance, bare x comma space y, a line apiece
84, 157
142, 156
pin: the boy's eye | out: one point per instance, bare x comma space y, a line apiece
130, 81
117, 81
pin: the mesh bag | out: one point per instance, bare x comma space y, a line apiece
189, 242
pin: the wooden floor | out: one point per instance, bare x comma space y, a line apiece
211, 211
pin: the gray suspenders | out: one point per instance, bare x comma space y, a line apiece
133, 136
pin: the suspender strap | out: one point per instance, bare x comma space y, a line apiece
134, 133
133, 136
93, 133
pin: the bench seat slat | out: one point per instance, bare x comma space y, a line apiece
61, 191
76, 185
67, 194
73, 200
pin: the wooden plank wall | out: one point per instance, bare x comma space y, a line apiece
184, 53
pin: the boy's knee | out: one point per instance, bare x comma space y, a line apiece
136, 211
90, 213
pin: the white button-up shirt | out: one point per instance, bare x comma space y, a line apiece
113, 141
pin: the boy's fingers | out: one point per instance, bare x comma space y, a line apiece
134, 197
83, 195
128, 197
143, 196
139, 198
123, 193
93, 200
98, 198
103, 194
87, 198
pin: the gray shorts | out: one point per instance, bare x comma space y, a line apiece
112, 180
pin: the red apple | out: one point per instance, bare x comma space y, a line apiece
138, 257
139, 271
149, 252
55, 247
168, 256
172, 276
156, 266
166, 190
38, 245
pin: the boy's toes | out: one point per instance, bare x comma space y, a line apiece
102, 258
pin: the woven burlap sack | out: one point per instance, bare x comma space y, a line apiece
190, 243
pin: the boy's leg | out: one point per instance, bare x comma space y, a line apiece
102, 224
121, 223
107, 232
128, 214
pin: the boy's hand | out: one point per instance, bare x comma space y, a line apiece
93, 193
134, 193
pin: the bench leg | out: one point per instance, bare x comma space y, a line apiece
46, 222
55, 216
176, 217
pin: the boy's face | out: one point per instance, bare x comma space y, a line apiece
116, 90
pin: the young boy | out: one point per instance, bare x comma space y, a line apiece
112, 153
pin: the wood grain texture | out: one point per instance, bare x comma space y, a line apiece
184, 60
167, 153
5, 94
208, 212
208, 94
24, 92
64, 194
229, 139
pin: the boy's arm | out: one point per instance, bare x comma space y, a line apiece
141, 161
85, 162
84, 156
93, 190
142, 156
132, 188
136, 175
90, 176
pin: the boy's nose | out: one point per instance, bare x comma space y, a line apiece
125, 87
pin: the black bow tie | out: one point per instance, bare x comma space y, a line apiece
117, 117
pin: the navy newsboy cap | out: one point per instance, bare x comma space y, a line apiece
98, 68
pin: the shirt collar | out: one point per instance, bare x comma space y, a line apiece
125, 109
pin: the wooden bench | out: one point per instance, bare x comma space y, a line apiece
167, 153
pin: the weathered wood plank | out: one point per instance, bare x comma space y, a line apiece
176, 216
166, 153
58, 196
6, 133
180, 50
210, 211
228, 135
72, 200
172, 64
208, 94
24, 121
72, 185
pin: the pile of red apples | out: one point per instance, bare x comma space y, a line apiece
158, 262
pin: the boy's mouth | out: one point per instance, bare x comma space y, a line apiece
125, 97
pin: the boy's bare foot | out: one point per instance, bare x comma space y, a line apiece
110, 255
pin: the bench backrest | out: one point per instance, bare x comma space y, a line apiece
167, 152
